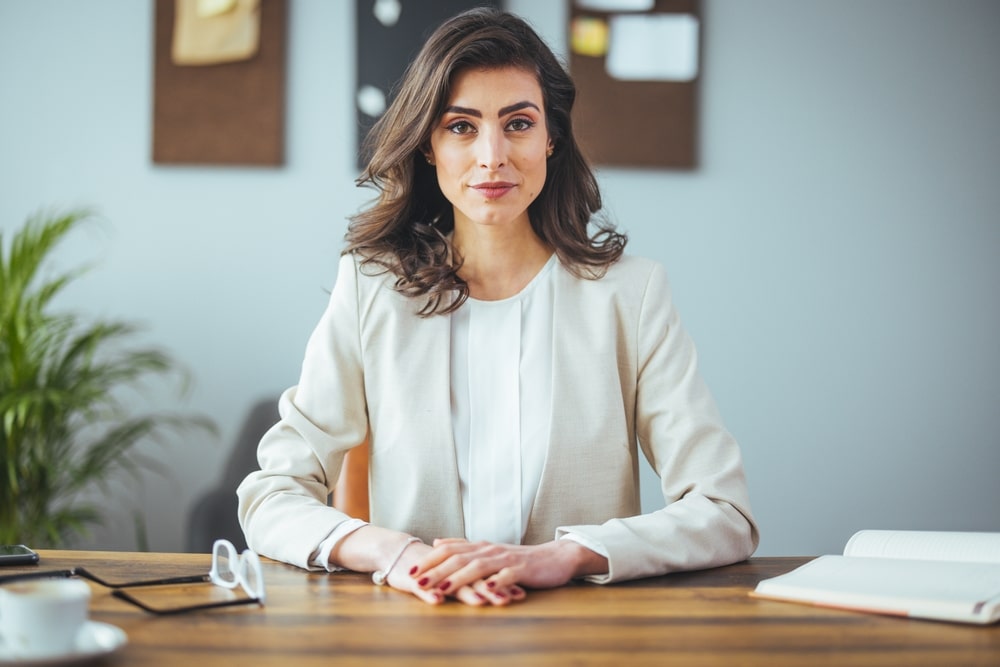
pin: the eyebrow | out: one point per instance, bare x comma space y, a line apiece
517, 106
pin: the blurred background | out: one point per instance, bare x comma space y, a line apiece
834, 254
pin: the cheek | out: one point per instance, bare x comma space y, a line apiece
450, 163
538, 177
542, 170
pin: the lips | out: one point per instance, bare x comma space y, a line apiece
493, 189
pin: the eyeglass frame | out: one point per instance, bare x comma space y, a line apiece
242, 561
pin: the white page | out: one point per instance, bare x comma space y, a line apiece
926, 589
653, 47
926, 545
616, 5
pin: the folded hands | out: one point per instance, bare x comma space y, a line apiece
486, 573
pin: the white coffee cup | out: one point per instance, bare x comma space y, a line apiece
42, 618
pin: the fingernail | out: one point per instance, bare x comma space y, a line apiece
499, 594
423, 582
481, 597
491, 584
445, 585
413, 570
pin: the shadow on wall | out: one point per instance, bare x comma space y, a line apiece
214, 514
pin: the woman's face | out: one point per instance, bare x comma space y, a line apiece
490, 146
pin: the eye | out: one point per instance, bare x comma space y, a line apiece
460, 127
520, 124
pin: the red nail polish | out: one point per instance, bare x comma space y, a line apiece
491, 584
445, 585
413, 570
481, 597
423, 582
499, 594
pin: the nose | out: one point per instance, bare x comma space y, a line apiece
491, 150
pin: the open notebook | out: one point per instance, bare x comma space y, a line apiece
948, 576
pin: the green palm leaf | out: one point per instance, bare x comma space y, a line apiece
66, 427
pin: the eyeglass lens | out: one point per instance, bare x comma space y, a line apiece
224, 565
252, 573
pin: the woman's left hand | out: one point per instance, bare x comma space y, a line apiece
496, 571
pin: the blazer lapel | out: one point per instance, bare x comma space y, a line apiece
440, 462
589, 411
566, 431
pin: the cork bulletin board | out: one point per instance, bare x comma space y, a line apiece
230, 113
637, 106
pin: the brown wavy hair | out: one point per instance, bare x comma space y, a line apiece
406, 229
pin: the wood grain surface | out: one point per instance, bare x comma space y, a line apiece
695, 618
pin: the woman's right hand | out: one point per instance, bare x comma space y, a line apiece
475, 595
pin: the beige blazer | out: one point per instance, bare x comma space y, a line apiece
624, 377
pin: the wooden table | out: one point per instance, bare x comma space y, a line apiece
691, 619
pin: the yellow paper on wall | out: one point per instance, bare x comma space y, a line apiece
209, 32
589, 36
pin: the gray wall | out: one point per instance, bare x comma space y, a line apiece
834, 256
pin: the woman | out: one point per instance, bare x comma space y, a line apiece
503, 357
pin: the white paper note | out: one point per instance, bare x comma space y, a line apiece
616, 5
653, 47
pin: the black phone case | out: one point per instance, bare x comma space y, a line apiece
21, 558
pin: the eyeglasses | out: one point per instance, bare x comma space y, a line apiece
229, 570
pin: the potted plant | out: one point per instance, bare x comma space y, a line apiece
65, 426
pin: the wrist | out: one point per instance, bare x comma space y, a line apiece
369, 549
379, 576
582, 561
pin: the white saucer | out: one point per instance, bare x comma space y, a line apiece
94, 640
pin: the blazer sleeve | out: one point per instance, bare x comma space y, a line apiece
283, 506
706, 521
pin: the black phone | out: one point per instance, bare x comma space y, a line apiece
17, 554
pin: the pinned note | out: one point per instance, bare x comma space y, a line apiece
653, 47
211, 32
589, 36
616, 5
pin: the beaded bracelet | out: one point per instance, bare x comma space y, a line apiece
379, 576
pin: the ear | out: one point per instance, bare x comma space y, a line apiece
549, 149
429, 156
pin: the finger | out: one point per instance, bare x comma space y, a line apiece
430, 597
407, 585
494, 596
470, 596
463, 567
439, 554
506, 581
503, 579
508, 593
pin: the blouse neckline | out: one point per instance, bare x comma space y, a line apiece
542, 272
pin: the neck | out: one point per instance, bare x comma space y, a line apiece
497, 263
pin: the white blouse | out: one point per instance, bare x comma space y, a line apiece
501, 400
